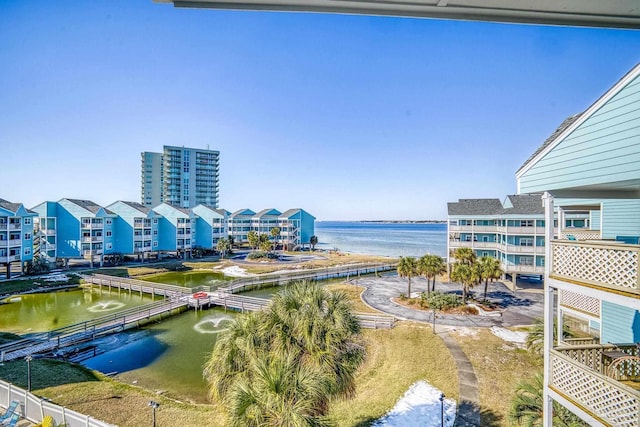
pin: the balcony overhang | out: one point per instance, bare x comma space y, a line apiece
578, 13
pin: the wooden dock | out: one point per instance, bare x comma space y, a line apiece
89, 330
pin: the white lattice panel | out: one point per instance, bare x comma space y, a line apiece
607, 265
580, 302
603, 398
581, 235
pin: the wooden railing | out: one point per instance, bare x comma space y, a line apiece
244, 283
580, 234
606, 265
88, 330
610, 400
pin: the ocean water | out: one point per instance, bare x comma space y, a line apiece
387, 239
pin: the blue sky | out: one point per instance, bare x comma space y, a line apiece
348, 117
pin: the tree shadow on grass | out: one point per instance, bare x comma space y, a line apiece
489, 418
45, 373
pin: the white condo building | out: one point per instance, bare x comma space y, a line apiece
181, 177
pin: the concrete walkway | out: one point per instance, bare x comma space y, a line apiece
515, 308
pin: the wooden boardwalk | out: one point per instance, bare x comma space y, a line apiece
177, 298
90, 329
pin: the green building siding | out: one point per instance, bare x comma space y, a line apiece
620, 324
620, 218
592, 153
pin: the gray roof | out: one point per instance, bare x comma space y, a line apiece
475, 207
264, 212
90, 206
528, 204
243, 212
567, 122
13, 207
517, 204
140, 207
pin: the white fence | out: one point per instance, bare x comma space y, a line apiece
34, 408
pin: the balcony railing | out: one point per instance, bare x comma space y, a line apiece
9, 258
607, 265
3, 225
92, 225
48, 231
580, 234
17, 226
523, 268
581, 374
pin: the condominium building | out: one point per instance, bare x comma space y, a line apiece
511, 231
177, 229
136, 229
592, 163
296, 226
180, 176
211, 226
16, 235
82, 229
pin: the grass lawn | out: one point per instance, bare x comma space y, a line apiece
396, 358
499, 368
353, 292
10, 287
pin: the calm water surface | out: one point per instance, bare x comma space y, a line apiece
46, 311
382, 238
190, 279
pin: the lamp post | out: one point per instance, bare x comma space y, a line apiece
154, 405
28, 358
433, 326
442, 409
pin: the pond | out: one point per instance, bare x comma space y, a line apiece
166, 356
190, 278
22, 314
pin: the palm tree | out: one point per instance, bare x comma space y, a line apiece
407, 267
490, 270
465, 255
275, 233
253, 239
223, 246
313, 241
535, 339
527, 404
466, 275
281, 393
283, 365
431, 266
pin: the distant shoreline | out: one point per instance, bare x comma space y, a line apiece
401, 221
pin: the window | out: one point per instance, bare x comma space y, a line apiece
526, 223
27, 236
155, 232
155, 220
108, 234
526, 260
155, 244
108, 220
526, 241
109, 245
27, 251
27, 221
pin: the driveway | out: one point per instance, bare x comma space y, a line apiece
516, 308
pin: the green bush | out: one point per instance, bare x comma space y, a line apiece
441, 301
261, 255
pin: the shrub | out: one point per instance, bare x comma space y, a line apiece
441, 301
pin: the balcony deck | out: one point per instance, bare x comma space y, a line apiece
585, 376
604, 265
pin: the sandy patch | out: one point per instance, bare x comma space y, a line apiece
466, 332
517, 338
235, 271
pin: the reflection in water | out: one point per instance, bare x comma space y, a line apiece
106, 306
211, 324
126, 352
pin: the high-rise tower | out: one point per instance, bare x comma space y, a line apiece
181, 177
